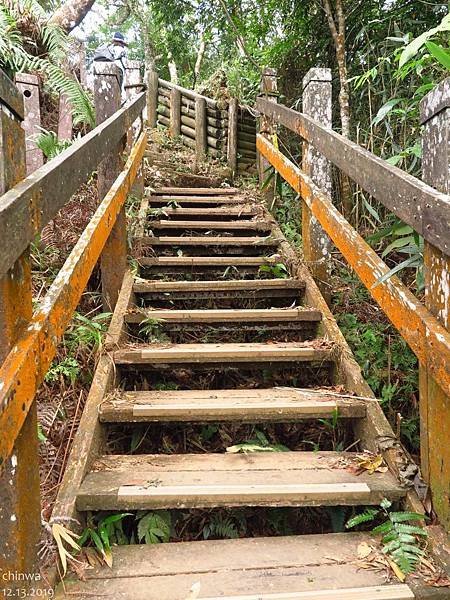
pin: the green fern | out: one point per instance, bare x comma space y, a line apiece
220, 526
400, 539
48, 142
14, 58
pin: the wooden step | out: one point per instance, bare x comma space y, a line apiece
264, 293
213, 213
273, 315
207, 261
195, 191
205, 240
315, 351
195, 200
211, 225
263, 286
313, 567
273, 404
156, 481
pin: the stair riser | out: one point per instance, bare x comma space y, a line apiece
162, 230
204, 300
207, 250
180, 333
204, 272
216, 376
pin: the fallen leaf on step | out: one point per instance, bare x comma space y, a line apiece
372, 463
398, 572
364, 550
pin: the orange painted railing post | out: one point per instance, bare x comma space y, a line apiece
19, 474
316, 243
107, 94
434, 403
269, 90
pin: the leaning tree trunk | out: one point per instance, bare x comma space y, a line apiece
71, 13
338, 35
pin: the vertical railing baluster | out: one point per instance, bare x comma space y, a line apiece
269, 89
175, 113
316, 243
201, 131
152, 98
434, 404
107, 94
232, 138
20, 511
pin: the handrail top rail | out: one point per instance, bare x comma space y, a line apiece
416, 203
31, 204
188, 93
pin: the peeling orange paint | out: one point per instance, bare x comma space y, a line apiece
27, 363
427, 338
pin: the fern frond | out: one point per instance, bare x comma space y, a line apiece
400, 517
365, 517
411, 529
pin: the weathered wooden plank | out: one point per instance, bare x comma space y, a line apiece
32, 203
10, 97
113, 261
428, 339
203, 480
19, 472
206, 241
206, 261
434, 403
416, 203
175, 113
272, 404
394, 592
89, 437
232, 137
260, 565
235, 353
226, 199
211, 225
186, 93
201, 135
26, 364
226, 315
196, 191
198, 286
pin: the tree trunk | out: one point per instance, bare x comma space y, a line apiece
198, 62
71, 13
338, 35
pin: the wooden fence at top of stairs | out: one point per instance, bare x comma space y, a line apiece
235, 340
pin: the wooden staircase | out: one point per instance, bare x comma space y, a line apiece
201, 286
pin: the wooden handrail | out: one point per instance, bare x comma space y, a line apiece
427, 338
27, 207
419, 205
27, 363
187, 93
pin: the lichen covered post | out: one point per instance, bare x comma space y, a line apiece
316, 243
201, 140
107, 95
152, 98
232, 137
434, 403
133, 85
175, 113
29, 86
269, 90
19, 474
